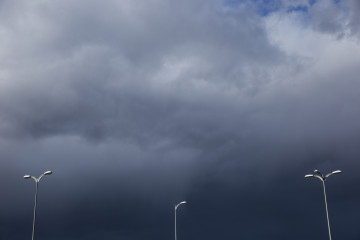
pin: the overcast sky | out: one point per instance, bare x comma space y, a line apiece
138, 105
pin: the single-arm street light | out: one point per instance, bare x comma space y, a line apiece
323, 178
36, 191
176, 206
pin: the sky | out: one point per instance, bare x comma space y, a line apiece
138, 105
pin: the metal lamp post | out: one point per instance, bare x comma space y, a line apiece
176, 206
36, 191
323, 178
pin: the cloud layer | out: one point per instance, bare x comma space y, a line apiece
136, 106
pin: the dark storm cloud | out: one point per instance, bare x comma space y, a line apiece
136, 106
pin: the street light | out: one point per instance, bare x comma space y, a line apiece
176, 206
36, 191
320, 176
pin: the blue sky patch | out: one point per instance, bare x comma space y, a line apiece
299, 8
263, 7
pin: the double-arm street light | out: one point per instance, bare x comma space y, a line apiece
323, 178
36, 191
176, 206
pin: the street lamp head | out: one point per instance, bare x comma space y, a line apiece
177, 205
27, 176
47, 172
337, 171
309, 175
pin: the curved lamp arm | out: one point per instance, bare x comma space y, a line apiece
176, 206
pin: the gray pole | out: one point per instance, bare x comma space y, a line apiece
175, 224
327, 212
323, 178
176, 206
36, 191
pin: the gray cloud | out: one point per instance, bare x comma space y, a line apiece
103, 79
136, 106
335, 17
